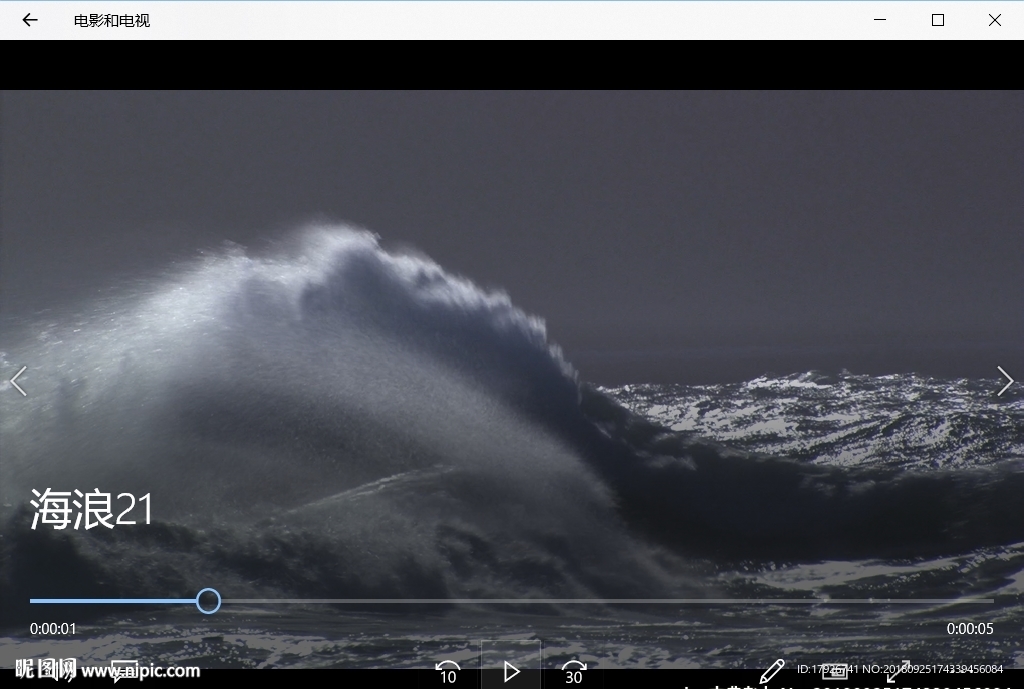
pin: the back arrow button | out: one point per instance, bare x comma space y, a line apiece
27, 20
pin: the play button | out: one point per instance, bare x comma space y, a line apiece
510, 664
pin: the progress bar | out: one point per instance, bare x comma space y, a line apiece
135, 601
604, 601
503, 601
114, 601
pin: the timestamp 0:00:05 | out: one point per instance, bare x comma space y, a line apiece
970, 628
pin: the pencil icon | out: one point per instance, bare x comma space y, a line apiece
770, 672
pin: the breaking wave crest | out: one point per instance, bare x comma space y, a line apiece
338, 421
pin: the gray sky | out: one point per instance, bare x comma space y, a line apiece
664, 236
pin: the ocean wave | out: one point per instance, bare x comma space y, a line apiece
905, 420
335, 420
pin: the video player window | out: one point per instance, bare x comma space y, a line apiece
513, 389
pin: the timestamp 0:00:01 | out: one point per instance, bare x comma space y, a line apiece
51, 629
970, 628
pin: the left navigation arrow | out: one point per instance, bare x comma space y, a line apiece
27, 20
16, 386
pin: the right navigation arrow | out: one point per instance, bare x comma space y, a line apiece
1007, 386
513, 668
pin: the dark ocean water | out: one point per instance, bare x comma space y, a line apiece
333, 421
